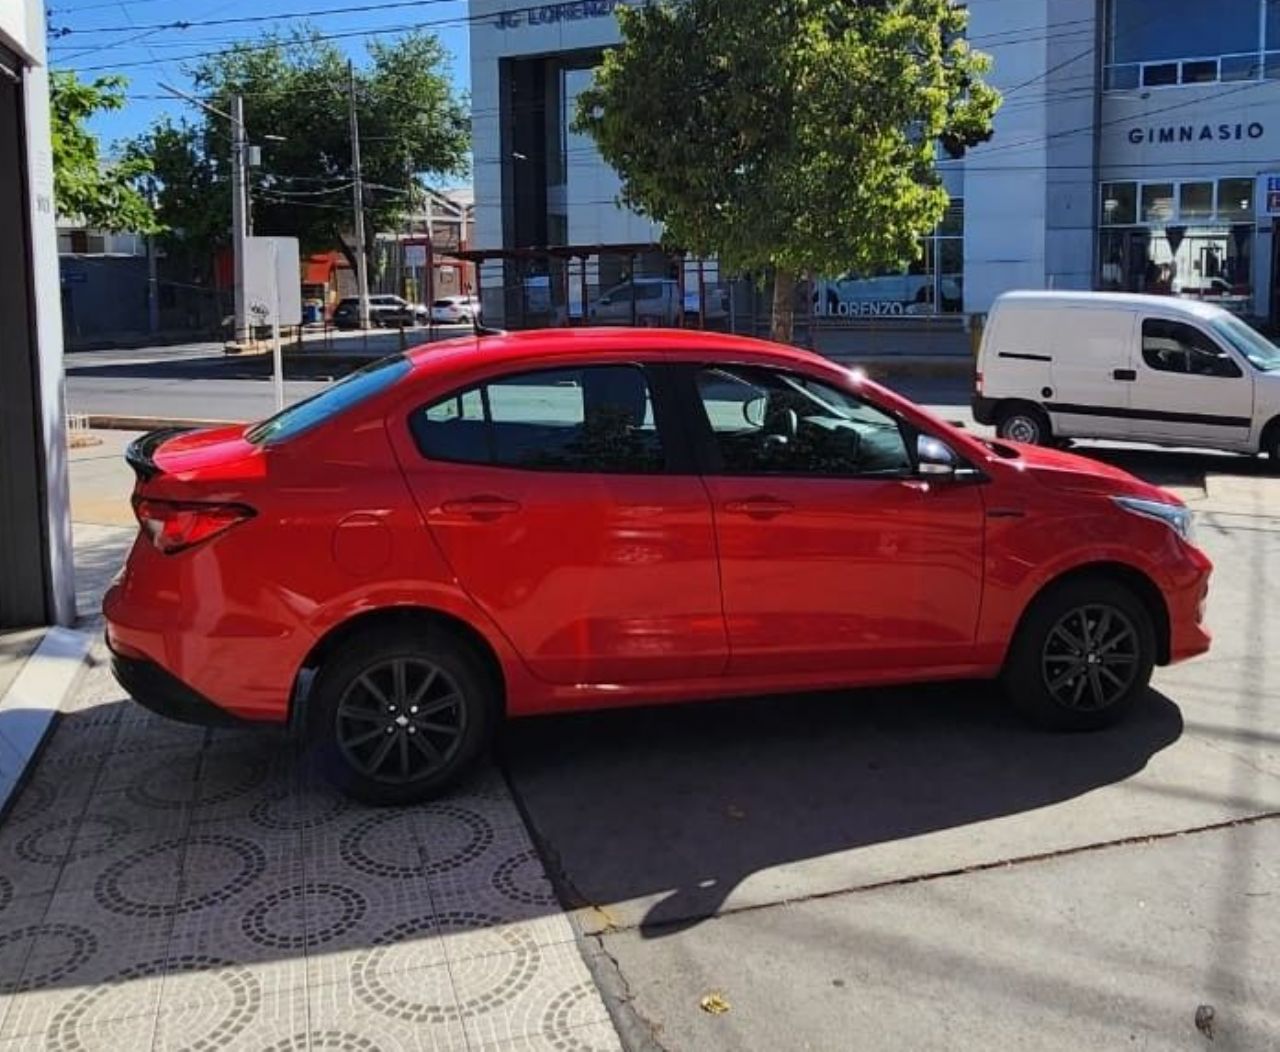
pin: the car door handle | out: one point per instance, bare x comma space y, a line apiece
482, 507
758, 507
1124, 374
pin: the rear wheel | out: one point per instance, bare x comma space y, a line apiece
1082, 655
397, 717
1271, 444
1024, 422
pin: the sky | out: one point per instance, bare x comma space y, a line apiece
121, 36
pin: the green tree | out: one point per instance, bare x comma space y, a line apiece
797, 137
103, 195
295, 91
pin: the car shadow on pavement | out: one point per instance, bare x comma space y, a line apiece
678, 807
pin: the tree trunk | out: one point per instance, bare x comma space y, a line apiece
782, 326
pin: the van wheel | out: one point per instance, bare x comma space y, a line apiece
1271, 444
398, 717
1022, 422
1082, 656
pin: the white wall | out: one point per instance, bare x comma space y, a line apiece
22, 25
1029, 192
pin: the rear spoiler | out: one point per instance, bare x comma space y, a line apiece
140, 453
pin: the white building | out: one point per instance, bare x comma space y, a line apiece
1138, 148
36, 576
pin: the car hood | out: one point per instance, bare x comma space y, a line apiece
1069, 471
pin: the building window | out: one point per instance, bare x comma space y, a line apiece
1188, 237
932, 284
1162, 43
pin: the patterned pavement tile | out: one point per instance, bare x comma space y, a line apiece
171, 887
530, 992
387, 1012
117, 1013
232, 1015
592, 1037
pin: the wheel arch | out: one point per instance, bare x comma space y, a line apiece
1270, 431
420, 618
1141, 585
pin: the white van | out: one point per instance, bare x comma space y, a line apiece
1159, 369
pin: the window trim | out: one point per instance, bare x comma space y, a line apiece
706, 449
677, 459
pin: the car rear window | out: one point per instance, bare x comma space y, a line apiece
333, 400
443, 303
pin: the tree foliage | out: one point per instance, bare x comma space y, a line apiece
103, 195
412, 125
798, 136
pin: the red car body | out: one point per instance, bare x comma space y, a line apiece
589, 590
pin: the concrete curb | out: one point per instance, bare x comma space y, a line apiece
35, 697
109, 422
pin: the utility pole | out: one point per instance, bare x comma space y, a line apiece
239, 215
362, 270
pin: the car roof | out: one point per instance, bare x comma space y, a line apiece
1114, 300
594, 342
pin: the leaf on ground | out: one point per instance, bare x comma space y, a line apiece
714, 1004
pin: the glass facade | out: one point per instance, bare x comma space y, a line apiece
1181, 237
933, 284
1163, 43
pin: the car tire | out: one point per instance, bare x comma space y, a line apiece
1271, 444
1082, 655
388, 737
1024, 422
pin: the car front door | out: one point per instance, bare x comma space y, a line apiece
1190, 390
560, 500
834, 554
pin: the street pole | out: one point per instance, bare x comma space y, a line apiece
277, 358
239, 217
362, 270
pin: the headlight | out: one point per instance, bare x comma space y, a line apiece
1175, 516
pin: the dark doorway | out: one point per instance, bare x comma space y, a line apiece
24, 591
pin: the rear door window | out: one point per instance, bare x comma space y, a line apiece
591, 419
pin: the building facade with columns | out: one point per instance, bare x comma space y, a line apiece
1138, 148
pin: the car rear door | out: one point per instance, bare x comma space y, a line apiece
1190, 389
565, 503
1093, 372
834, 555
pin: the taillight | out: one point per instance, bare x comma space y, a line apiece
175, 525
977, 382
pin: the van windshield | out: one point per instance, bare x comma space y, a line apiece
1261, 352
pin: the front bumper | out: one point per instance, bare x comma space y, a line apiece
164, 694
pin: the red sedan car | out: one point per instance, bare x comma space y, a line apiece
519, 524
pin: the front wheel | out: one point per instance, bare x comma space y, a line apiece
398, 717
1082, 656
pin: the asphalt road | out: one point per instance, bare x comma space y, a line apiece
917, 869
198, 381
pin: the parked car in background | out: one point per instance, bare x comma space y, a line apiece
655, 301
454, 310
1160, 369
384, 311
553, 520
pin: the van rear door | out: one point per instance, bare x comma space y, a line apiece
1093, 371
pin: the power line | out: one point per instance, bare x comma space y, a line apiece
183, 23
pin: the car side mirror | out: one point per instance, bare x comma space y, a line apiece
935, 458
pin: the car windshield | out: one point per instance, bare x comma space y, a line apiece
1261, 352
334, 399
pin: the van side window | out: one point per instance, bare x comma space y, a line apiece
1174, 347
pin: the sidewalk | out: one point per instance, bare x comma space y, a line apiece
166, 885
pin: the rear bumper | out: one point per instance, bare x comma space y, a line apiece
164, 694
984, 409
